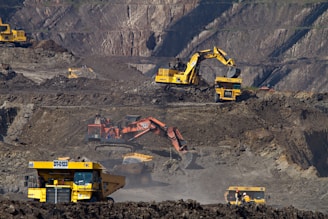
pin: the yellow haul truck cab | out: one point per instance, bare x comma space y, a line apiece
71, 181
227, 89
256, 194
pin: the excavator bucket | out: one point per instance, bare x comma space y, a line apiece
189, 159
233, 72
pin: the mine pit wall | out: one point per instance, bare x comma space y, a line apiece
13, 118
7, 116
318, 144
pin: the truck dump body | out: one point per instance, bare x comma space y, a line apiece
71, 181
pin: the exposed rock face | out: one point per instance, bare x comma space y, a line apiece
129, 28
277, 43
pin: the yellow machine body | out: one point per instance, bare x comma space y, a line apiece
227, 89
71, 181
256, 194
8, 35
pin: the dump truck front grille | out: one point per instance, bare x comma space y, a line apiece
56, 195
227, 93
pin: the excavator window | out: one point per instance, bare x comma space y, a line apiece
3, 28
94, 130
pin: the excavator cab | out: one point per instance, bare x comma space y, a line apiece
3, 28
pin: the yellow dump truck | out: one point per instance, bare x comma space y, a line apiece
137, 169
64, 180
256, 194
227, 89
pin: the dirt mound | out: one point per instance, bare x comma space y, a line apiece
48, 45
166, 209
14, 80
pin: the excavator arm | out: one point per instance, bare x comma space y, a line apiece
150, 124
220, 55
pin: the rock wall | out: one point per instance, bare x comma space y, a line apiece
278, 43
129, 28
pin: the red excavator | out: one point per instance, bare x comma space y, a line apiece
132, 127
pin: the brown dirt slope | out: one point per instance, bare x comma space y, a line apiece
272, 139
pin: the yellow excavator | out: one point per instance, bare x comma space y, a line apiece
226, 88
10, 37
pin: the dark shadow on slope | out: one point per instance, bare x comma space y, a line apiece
308, 22
9, 8
271, 77
274, 75
263, 79
318, 144
7, 117
180, 33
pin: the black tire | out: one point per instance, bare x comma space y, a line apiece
110, 200
216, 97
93, 199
